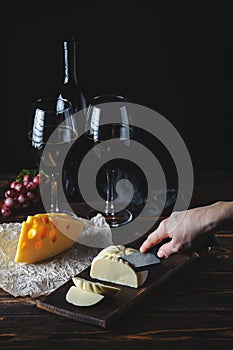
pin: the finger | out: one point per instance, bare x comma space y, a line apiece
154, 238
167, 250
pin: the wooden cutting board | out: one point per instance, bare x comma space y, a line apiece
104, 313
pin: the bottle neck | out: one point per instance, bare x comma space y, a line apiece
70, 69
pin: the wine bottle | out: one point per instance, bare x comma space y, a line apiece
71, 89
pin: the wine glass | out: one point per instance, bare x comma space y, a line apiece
52, 131
108, 120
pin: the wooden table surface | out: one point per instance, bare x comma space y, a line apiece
192, 310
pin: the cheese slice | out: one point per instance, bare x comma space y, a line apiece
95, 287
43, 236
108, 266
80, 297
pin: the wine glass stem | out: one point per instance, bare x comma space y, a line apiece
54, 194
109, 203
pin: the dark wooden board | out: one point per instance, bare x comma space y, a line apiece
110, 309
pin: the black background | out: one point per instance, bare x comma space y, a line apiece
172, 56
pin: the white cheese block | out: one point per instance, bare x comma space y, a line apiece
80, 297
108, 266
95, 287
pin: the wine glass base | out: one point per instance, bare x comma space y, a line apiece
118, 219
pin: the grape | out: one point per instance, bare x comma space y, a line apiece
9, 202
36, 180
10, 193
5, 211
12, 185
21, 194
22, 198
27, 178
30, 195
31, 186
20, 187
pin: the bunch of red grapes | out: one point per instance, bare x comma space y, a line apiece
21, 194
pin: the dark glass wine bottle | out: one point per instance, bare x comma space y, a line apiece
71, 89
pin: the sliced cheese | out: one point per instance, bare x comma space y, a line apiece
108, 266
80, 297
45, 235
95, 287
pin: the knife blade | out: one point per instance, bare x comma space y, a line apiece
141, 261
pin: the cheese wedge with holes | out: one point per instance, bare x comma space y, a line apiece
95, 287
107, 266
81, 297
43, 236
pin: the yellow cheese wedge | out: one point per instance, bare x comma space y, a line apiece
95, 287
80, 297
45, 235
108, 266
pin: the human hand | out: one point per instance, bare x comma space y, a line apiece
187, 230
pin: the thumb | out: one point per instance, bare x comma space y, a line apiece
166, 250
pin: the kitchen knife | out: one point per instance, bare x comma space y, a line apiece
141, 261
